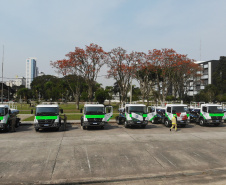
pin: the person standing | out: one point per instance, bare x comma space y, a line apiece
174, 122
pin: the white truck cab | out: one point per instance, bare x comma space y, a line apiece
136, 115
96, 115
47, 116
165, 114
6, 115
211, 114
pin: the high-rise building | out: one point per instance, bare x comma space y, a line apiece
208, 68
31, 71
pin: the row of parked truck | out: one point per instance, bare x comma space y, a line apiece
204, 114
97, 115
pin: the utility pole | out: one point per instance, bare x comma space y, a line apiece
2, 73
131, 88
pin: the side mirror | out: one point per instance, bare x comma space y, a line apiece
80, 110
31, 111
10, 112
62, 111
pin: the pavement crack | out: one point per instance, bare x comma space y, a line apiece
87, 157
54, 165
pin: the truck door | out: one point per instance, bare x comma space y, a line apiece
151, 110
108, 113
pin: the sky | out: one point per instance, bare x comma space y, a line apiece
49, 29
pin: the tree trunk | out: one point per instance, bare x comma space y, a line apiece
90, 92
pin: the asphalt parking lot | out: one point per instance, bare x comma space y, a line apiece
115, 155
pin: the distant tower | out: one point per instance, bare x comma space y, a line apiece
31, 71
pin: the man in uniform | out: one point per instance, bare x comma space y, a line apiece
174, 122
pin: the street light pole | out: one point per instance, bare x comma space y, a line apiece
131, 88
2, 73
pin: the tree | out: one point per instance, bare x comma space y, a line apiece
83, 63
109, 91
46, 87
184, 69
101, 95
25, 93
163, 61
172, 71
121, 69
144, 72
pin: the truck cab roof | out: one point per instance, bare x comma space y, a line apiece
4, 106
93, 105
47, 106
134, 105
209, 105
175, 105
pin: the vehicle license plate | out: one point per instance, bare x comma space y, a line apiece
217, 120
46, 125
94, 123
138, 122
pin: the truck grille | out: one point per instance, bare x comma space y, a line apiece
46, 121
94, 119
216, 117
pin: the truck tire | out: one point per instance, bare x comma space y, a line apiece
84, 127
36, 129
201, 122
125, 124
81, 120
117, 120
166, 122
143, 126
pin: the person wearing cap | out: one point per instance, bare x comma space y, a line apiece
174, 122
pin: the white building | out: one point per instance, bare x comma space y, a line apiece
206, 77
17, 82
31, 71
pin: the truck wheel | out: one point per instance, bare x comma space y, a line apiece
155, 121
183, 126
126, 125
167, 124
84, 127
81, 120
201, 122
117, 120
36, 129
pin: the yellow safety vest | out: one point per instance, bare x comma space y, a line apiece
174, 120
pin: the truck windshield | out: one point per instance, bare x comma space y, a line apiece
180, 109
94, 110
47, 111
2, 111
141, 109
215, 109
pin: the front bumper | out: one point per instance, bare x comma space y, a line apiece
47, 125
130, 123
183, 122
210, 121
93, 124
